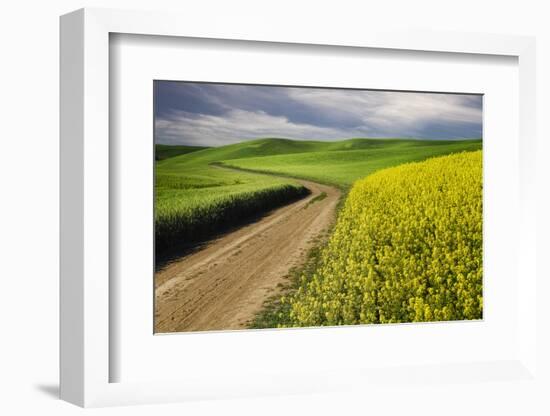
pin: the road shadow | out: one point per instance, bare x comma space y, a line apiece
176, 252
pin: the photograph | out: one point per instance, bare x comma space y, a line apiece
304, 206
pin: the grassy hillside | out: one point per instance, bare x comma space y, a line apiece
341, 163
278, 146
164, 151
195, 198
407, 247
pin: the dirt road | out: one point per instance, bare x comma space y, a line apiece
224, 285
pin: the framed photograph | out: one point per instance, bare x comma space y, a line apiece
293, 207
273, 212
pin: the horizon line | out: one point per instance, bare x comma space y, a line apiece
326, 141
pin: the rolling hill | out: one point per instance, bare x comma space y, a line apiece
338, 163
164, 151
195, 195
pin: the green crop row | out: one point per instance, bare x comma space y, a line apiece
183, 217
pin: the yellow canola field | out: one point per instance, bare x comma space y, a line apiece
407, 247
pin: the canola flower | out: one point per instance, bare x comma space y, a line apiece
407, 247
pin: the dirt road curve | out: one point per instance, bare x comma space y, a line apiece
225, 284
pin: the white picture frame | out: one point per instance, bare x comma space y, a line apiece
85, 213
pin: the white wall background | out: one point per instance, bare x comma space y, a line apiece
29, 182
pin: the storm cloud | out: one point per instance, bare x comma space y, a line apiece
218, 114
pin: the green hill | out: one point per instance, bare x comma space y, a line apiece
279, 146
341, 163
164, 151
338, 162
195, 195
252, 148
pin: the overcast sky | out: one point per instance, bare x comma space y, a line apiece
219, 114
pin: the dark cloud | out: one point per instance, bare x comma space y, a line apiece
188, 97
216, 114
